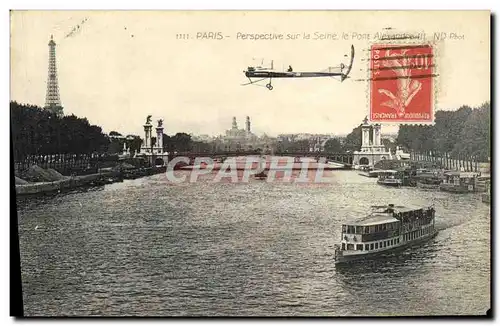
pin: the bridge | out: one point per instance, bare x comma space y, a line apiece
345, 159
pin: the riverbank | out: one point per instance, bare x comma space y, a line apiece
90, 180
68, 183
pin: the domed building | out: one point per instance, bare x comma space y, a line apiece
242, 139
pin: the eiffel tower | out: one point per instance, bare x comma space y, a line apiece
52, 100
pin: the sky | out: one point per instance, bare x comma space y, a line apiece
120, 66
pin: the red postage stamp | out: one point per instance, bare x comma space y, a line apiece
401, 83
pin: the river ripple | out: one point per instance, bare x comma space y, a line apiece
146, 247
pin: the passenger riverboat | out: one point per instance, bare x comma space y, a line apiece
386, 229
403, 176
428, 179
459, 182
369, 171
390, 178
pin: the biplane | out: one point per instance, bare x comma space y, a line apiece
259, 73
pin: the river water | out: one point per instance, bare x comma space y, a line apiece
149, 247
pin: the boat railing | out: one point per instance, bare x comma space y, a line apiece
338, 251
384, 209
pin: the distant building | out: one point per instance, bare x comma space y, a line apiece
316, 141
202, 138
236, 139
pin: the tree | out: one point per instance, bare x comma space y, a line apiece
333, 145
115, 133
182, 142
448, 128
475, 136
38, 131
201, 147
388, 144
465, 131
134, 145
353, 140
168, 145
115, 147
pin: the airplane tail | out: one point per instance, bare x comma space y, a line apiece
345, 74
343, 70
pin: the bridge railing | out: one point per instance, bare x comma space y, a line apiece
342, 158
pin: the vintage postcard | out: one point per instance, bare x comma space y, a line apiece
251, 163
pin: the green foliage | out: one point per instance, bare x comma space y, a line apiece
465, 131
180, 142
417, 138
388, 144
135, 144
39, 131
333, 145
115, 147
353, 140
290, 146
475, 135
201, 147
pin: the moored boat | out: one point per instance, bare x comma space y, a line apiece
427, 185
389, 178
262, 175
387, 228
369, 172
459, 182
373, 173
428, 179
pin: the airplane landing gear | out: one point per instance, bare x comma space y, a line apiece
269, 86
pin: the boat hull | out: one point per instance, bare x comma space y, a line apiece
365, 174
345, 259
459, 189
261, 176
370, 174
427, 185
398, 183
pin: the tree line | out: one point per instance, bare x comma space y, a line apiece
464, 132
36, 131
180, 142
